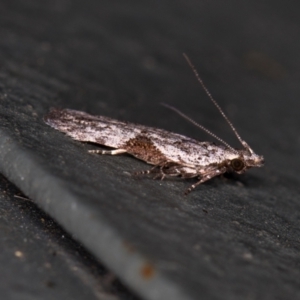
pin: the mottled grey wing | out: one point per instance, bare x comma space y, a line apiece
87, 128
146, 143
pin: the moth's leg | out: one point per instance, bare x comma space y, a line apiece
205, 177
158, 170
173, 171
188, 175
178, 170
146, 172
109, 152
160, 176
169, 169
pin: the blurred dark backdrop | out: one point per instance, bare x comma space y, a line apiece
234, 237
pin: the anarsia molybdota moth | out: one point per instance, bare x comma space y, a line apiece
171, 154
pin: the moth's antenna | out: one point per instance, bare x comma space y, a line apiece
215, 103
198, 125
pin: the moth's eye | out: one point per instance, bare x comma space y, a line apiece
237, 164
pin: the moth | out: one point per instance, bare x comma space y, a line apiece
171, 154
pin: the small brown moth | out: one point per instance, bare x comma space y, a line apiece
171, 154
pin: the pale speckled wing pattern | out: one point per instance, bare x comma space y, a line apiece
116, 134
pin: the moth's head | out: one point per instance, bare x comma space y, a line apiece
246, 160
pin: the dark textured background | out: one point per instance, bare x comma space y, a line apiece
233, 238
